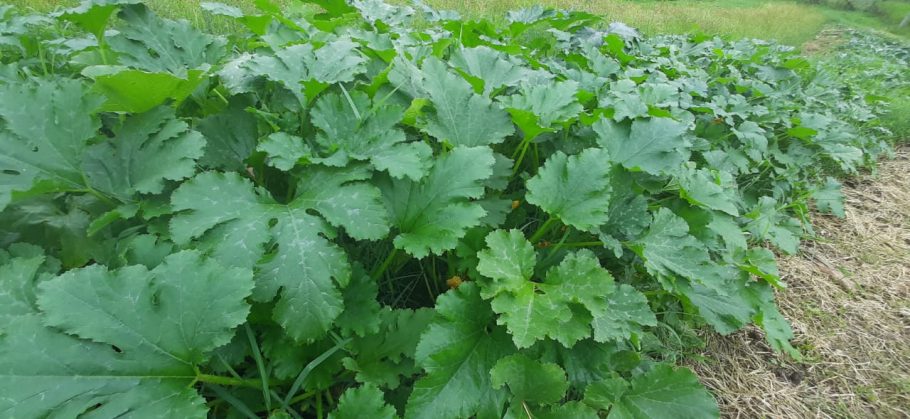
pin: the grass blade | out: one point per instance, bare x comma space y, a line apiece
257, 356
305, 372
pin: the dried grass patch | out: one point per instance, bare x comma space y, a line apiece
849, 303
824, 42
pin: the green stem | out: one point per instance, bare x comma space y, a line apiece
543, 230
522, 149
301, 398
41, 58
451, 265
220, 96
329, 398
518, 149
102, 197
101, 47
377, 273
582, 244
227, 381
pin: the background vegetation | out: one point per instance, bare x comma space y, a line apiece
790, 22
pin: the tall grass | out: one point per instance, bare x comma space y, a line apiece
893, 12
790, 22
787, 22
879, 15
174, 9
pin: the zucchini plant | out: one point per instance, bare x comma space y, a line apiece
358, 209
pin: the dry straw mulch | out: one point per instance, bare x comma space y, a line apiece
849, 303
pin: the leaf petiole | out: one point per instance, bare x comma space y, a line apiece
377, 273
543, 230
227, 381
520, 151
582, 244
302, 397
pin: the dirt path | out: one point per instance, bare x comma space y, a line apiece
849, 303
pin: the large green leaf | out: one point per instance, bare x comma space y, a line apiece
493, 68
771, 224
575, 189
457, 351
625, 97
384, 357
829, 197
777, 329
46, 127
284, 151
129, 90
146, 151
74, 375
166, 311
354, 128
121, 342
344, 201
668, 249
576, 296
361, 310
710, 190
17, 289
461, 117
258, 24
726, 311
380, 11
569, 410
294, 67
235, 221
152, 44
662, 392
508, 260
432, 214
286, 67
628, 312
530, 380
93, 15
550, 103
230, 137
655, 145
